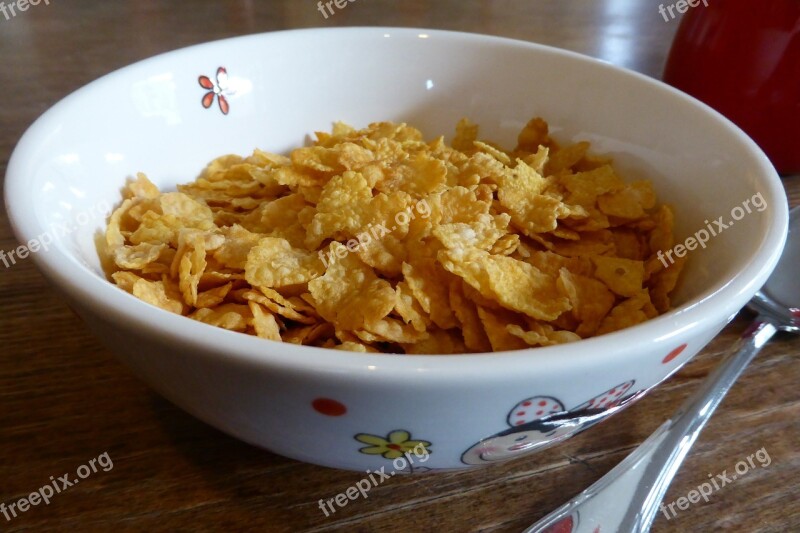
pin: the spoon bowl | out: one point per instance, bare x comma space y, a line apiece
780, 296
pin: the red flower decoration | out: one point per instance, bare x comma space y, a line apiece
218, 90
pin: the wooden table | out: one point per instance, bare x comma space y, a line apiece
65, 400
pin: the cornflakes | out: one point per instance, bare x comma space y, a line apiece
376, 241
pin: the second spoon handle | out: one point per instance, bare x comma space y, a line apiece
627, 498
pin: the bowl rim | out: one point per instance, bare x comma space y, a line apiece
85, 287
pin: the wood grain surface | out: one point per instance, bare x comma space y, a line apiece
65, 400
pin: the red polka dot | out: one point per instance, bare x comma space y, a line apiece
519, 422
673, 354
539, 412
526, 403
612, 391
328, 407
543, 403
520, 413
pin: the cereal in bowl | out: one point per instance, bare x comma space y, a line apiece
375, 240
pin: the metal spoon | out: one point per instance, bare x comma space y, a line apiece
642, 478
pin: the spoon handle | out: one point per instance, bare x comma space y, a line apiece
628, 497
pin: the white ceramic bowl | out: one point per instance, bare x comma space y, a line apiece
326, 407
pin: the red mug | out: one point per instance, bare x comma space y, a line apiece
742, 58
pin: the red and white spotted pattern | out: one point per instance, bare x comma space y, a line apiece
533, 409
608, 398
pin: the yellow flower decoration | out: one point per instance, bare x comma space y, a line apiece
393, 446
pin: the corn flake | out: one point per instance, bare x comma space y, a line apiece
273, 262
